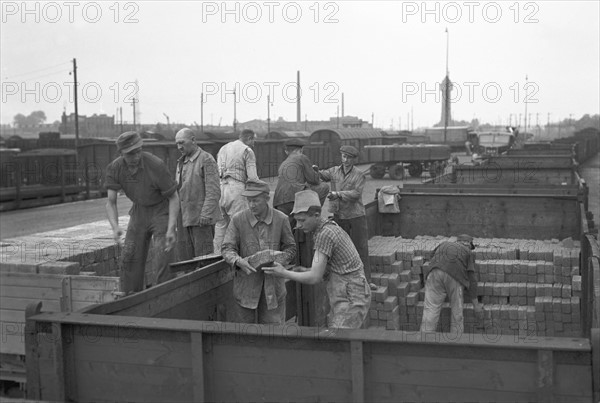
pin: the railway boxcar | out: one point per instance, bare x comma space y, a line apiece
284, 135
333, 139
163, 344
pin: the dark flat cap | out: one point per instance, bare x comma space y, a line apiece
128, 141
294, 142
466, 238
350, 150
256, 188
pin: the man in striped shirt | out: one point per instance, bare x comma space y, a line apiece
335, 260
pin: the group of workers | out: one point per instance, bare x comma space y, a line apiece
223, 207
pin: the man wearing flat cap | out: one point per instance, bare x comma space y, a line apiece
345, 201
451, 269
146, 181
296, 174
259, 298
335, 261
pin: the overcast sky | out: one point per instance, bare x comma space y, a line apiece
386, 57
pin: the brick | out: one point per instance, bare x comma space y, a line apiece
557, 290
376, 278
380, 294
411, 299
576, 283
373, 314
566, 305
390, 303
393, 280
403, 289
405, 276
393, 314
384, 280
415, 285
566, 291
397, 267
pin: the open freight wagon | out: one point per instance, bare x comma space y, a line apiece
172, 342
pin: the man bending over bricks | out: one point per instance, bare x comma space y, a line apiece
451, 268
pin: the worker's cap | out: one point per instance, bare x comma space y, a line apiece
128, 141
466, 238
295, 143
349, 150
304, 200
254, 188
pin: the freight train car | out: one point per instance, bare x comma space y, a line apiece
173, 343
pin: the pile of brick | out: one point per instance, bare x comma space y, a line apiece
529, 287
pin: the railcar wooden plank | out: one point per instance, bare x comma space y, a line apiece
545, 376
95, 283
32, 353
387, 392
198, 366
226, 329
32, 293
232, 386
99, 381
125, 348
358, 375
20, 304
453, 372
318, 363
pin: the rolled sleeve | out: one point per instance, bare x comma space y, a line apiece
111, 181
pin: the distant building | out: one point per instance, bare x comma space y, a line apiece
92, 126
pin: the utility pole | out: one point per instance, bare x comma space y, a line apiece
121, 116
338, 117
525, 100
447, 92
202, 113
76, 112
268, 114
412, 119
510, 120
133, 102
234, 113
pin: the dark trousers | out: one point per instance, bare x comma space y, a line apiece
195, 240
145, 223
359, 233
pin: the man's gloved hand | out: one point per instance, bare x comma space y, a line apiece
315, 168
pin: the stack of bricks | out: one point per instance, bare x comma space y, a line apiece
83, 249
527, 287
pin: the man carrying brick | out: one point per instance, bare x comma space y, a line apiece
336, 261
258, 298
147, 182
452, 267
